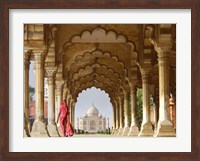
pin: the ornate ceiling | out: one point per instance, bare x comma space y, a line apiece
108, 57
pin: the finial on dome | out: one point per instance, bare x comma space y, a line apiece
92, 104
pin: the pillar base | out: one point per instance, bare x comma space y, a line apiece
26, 133
120, 131
126, 131
134, 131
53, 131
165, 129
146, 130
28, 127
39, 129
27, 130
115, 132
59, 130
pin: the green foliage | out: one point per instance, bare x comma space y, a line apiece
31, 92
139, 107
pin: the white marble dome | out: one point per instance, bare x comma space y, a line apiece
92, 111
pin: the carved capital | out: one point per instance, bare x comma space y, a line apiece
50, 71
59, 84
27, 59
133, 85
27, 56
145, 74
26, 65
50, 80
40, 57
145, 71
163, 50
126, 94
115, 102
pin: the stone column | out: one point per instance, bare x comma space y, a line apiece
157, 107
64, 95
126, 113
164, 124
134, 128
146, 127
56, 107
26, 94
72, 113
116, 115
59, 85
164, 127
39, 125
51, 101
114, 119
70, 108
121, 116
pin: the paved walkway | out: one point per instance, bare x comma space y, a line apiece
97, 135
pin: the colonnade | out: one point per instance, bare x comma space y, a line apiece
124, 106
164, 125
55, 91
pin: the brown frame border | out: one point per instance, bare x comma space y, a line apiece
5, 5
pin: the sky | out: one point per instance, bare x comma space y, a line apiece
85, 99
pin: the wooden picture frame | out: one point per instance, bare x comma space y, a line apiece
5, 5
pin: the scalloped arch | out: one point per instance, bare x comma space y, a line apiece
96, 83
95, 54
99, 35
104, 79
90, 70
86, 88
89, 85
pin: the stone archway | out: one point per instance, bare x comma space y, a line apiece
114, 57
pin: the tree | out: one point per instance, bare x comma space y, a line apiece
139, 107
31, 92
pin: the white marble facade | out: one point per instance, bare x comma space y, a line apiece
92, 121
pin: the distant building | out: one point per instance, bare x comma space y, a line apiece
45, 90
92, 122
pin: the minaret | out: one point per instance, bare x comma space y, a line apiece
108, 122
77, 123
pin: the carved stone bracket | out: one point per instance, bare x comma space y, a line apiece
40, 56
59, 85
145, 74
163, 50
50, 71
27, 59
133, 84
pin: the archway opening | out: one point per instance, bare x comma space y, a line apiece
93, 106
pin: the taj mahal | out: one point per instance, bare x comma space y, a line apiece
92, 121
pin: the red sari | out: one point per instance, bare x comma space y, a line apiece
66, 127
63, 116
69, 128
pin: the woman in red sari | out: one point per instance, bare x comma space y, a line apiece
65, 125
69, 128
63, 116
